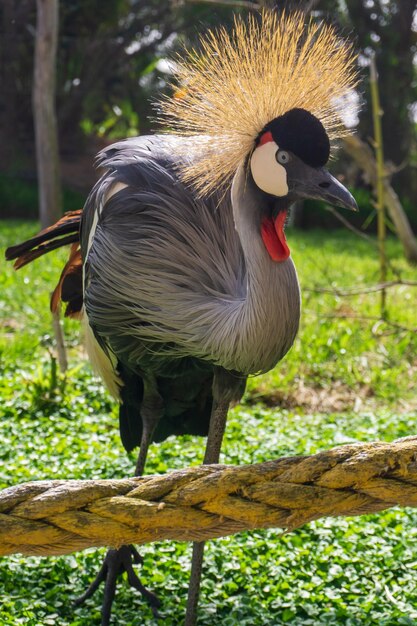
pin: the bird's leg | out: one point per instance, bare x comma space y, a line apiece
227, 388
116, 562
151, 412
217, 426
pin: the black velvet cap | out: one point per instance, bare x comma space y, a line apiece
300, 132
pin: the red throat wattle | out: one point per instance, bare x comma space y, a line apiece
273, 236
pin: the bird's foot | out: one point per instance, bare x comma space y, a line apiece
115, 563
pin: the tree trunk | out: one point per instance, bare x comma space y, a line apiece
46, 135
363, 156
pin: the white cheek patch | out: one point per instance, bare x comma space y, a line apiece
267, 173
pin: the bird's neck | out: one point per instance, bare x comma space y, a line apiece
270, 313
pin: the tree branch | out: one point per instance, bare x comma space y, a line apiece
348, 225
356, 291
370, 318
362, 154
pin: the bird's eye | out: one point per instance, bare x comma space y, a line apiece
282, 157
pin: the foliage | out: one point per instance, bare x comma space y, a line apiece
19, 197
386, 30
356, 572
109, 51
107, 60
341, 339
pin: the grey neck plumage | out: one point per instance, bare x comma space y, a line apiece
267, 318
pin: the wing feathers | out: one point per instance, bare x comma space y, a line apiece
48, 239
70, 286
65, 231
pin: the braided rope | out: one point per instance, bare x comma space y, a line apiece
199, 503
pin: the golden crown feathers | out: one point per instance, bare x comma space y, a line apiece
239, 81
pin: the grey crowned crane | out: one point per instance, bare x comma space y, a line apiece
180, 268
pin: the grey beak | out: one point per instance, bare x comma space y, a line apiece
330, 190
319, 184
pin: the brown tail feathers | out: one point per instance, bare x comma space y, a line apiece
65, 231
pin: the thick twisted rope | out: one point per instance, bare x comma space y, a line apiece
199, 503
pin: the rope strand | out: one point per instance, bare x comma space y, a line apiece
62, 516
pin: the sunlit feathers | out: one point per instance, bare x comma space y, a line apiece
239, 81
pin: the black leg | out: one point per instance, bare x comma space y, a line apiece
151, 412
101, 576
114, 568
116, 562
226, 388
195, 583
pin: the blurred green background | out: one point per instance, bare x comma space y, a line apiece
112, 63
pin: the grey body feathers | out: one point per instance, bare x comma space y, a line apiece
176, 284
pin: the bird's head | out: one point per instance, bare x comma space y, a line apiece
267, 96
288, 163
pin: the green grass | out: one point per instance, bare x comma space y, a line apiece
344, 380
